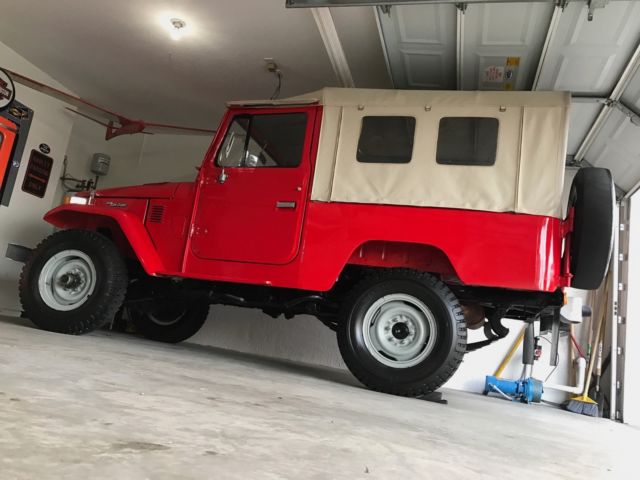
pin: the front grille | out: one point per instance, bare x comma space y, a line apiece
156, 213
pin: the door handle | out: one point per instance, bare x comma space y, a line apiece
282, 204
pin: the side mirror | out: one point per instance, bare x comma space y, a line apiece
251, 160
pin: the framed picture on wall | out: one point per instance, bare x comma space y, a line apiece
36, 177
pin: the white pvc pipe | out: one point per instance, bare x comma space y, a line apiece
582, 367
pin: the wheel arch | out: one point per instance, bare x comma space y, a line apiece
416, 256
126, 230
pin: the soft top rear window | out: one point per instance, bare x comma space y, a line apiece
471, 141
386, 139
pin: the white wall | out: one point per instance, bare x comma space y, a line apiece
135, 159
87, 138
22, 222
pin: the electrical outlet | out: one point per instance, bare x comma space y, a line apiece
271, 64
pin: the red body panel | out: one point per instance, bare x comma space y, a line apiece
207, 231
131, 206
484, 249
168, 224
93, 217
239, 219
149, 190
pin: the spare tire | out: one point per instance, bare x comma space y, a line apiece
593, 198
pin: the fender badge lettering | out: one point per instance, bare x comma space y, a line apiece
116, 204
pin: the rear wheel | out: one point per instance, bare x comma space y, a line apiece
74, 282
402, 332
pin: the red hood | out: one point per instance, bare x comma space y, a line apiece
149, 190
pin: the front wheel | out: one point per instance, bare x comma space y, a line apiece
74, 282
402, 332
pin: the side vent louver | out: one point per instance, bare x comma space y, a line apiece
156, 213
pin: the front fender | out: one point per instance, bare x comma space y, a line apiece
91, 217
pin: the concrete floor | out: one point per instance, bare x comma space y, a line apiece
114, 406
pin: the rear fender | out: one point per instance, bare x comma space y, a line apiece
128, 230
425, 258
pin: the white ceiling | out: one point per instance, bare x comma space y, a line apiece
117, 54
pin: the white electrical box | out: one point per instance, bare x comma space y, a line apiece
100, 163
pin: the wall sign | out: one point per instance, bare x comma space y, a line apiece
7, 90
36, 178
500, 74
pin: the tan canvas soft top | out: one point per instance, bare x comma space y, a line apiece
527, 176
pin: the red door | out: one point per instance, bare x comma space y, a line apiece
252, 199
7, 137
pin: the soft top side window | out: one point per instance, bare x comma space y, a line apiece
264, 140
471, 141
386, 139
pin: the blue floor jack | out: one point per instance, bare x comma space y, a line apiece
527, 390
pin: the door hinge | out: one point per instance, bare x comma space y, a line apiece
196, 230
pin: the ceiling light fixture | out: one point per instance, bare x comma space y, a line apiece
178, 27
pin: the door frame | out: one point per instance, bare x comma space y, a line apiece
208, 168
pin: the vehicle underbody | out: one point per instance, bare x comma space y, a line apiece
492, 304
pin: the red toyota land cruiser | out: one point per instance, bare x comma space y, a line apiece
398, 218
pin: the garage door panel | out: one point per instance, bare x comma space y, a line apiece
588, 56
420, 43
495, 31
617, 147
417, 26
503, 38
424, 70
631, 96
583, 73
582, 116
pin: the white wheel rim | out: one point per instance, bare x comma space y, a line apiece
399, 330
67, 280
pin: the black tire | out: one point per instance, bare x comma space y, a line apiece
593, 197
172, 322
431, 372
100, 306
